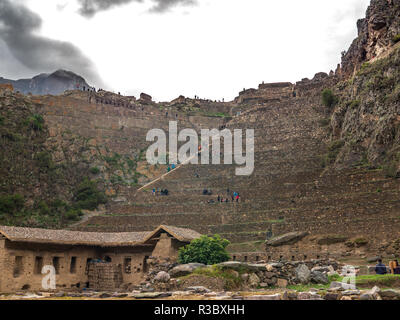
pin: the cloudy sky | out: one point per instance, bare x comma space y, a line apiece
209, 48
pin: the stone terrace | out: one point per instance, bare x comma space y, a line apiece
288, 191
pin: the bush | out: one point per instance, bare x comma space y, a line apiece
36, 122
88, 196
44, 160
73, 214
396, 38
206, 250
94, 170
11, 204
328, 98
391, 170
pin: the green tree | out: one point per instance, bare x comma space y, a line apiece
328, 98
88, 196
206, 250
11, 204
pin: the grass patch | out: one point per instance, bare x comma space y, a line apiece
382, 281
232, 278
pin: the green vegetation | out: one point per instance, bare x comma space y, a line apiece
88, 197
333, 151
329, 100
11, 204
36, 122
232, 278
361, 242
94, 170
44, 160
206, 250
365, 66
217, 114
396, 38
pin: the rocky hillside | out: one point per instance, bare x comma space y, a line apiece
67, 156
34, 190
366, 119
54, 83
377, 32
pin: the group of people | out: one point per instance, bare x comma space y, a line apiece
230, 196
163, 192
171, 167
381, 269
235, 197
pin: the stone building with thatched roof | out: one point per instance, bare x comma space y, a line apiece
103, 261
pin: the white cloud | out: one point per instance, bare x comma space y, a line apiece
214, 49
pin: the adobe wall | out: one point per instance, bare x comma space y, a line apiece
167, 247
29, 278
17, 274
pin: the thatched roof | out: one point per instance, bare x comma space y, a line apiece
66, 237
183, 235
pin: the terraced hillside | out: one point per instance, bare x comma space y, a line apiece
288, 191
330, 170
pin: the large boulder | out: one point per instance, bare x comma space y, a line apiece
254, 280
319, 277
162, 276
185, 269
303, 274
288, 238
390, 294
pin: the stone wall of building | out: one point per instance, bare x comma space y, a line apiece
21, 265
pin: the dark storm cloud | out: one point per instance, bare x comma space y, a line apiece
90, 7
39, 54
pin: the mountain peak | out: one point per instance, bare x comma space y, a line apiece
49, 83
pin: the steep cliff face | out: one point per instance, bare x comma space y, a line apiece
376, 34
367, 117
366, 120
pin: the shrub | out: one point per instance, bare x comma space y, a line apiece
36, 122
11, 204
44, 160
94, 170
328, 98
73, 214
396, 38
44, 208
391, 170
206, 250
88, 196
